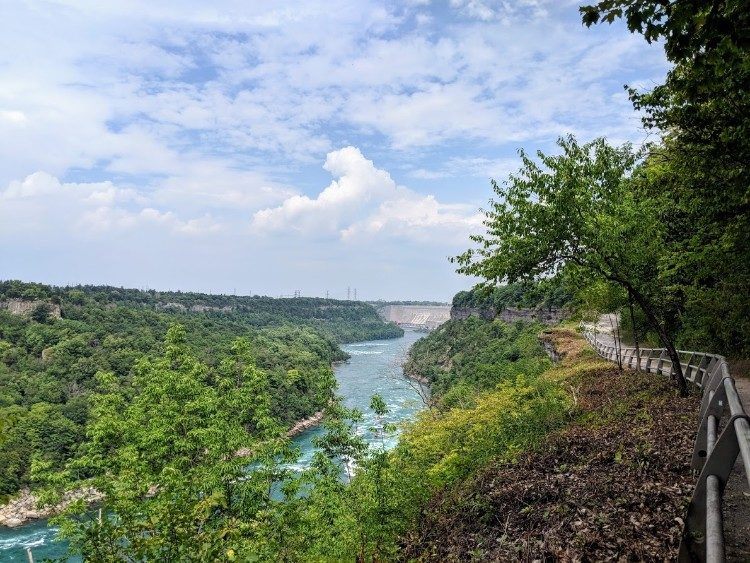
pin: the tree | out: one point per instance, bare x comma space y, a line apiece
699, 175
166, 462
577, 211
40, 313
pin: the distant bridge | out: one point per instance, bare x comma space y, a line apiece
422, 317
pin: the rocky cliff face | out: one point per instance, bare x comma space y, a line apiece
194, 308
545, 316
23, 307
462, 313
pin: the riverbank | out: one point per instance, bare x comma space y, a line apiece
25, 507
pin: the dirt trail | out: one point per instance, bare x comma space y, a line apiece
737, 493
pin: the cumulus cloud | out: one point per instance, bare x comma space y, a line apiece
364, 200
42, 205
165, 126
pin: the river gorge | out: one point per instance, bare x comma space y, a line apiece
375, 367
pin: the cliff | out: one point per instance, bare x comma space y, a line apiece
550, 316
24, 307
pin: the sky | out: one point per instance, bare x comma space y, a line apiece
252, 147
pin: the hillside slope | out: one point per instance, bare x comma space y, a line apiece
611, 485
53, 341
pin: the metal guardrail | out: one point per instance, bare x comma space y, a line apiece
716, 446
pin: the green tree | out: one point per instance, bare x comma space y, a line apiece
166, 461
577, 211
698, 177
40, 313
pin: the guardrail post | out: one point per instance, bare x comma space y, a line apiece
700, 520
701, 370
689, 367
660, 365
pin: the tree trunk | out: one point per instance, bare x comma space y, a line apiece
635, 333
677, 375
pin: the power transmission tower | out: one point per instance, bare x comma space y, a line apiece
355, 293
348, 293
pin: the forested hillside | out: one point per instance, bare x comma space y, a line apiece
343, 321
48, 365
544, 294
463, 357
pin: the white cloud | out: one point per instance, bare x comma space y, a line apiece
41, 205
196, 118
476, 167
364, 201
13, 116
487, 10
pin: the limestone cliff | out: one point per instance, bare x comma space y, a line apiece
25, 307
546, 316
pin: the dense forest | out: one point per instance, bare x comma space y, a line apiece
48, 365
343, 321
528, 294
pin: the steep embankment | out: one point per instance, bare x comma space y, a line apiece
466, 356
54, 340
612, 484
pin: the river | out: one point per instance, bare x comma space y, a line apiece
374, 367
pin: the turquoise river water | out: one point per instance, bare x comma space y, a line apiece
374, 367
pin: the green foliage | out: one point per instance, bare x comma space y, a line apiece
573, 209
163, 453
462, 357
542, 294
698, 177
583, 215
40, 313
439, 450
51, 363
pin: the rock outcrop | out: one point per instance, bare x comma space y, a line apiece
510, 315
25, 507
305, 424
25, 307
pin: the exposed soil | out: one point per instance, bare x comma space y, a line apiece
614, 485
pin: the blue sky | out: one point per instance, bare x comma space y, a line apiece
267, 147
